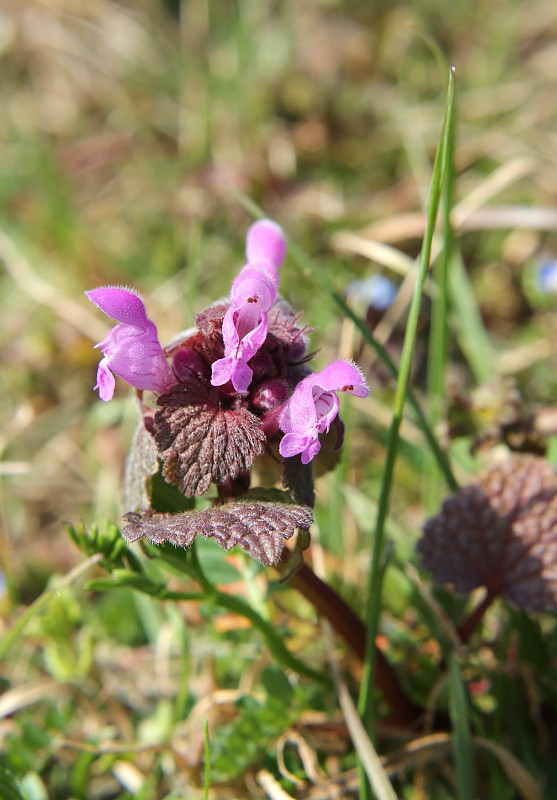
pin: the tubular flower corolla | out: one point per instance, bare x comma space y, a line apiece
131, 349
314, 405
244, 327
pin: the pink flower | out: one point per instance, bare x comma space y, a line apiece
131, 349
244, 327
314, 405
266, 246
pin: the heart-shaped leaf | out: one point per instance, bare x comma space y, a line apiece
200, 442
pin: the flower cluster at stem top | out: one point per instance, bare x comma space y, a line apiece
249, 351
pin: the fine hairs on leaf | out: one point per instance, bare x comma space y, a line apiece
200, 442
258, 528
499, 533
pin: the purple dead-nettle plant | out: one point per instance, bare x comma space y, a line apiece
234, 388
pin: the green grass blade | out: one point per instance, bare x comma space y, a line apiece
207, 770
366, 704
371, 763
421, 419
462, 740
470, 330
439, 334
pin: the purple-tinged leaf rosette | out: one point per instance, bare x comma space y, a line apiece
244, 327
131, 349
314, 405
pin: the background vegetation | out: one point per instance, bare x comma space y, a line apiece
128, 131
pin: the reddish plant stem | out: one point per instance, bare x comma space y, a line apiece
348, 625
469, 625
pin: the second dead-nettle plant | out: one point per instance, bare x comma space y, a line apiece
235, 388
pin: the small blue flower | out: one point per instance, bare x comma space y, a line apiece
377, 291
547, 276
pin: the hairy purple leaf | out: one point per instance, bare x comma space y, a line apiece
159, 528
501, 533
258, 528
200, 442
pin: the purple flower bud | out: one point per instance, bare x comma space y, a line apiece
314, 405
186, 362
266, 246
131, 349
244, 327
270, 394
267, 400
